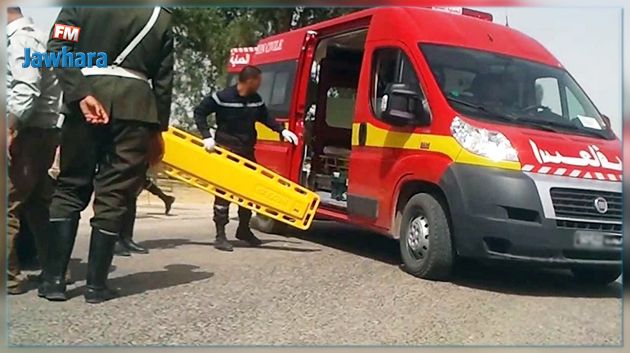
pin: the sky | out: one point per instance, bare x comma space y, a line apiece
587, 41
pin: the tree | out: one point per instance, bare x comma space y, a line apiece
204, 36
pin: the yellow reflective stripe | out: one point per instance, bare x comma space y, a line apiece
266, 134
447, 145
466, 157
377, 137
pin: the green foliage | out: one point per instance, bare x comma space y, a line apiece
204, 36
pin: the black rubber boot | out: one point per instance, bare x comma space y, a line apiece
221, 218
53, 282
126, 233
167, 199
243, 232
133, 246
168, 203
221, 242
99, 261
121, 250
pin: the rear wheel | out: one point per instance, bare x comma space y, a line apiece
596, 275
267, 225
425, 239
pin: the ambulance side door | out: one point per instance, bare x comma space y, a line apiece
276, 91
377, 144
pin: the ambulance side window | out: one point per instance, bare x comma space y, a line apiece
232, 78
266, 85
390, 65
279, 93
277, 86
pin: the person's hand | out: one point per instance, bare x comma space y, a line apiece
290, 136
10, 137
156, 149
93, 111
209, 144
11, 132
53, 171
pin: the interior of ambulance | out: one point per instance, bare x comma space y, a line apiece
330, 105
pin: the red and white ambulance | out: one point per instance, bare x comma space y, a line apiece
453, 134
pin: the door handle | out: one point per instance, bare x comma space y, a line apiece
299, 127
362, 134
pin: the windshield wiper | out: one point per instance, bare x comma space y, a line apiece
509, 118
565, 125
538, 123
483, 109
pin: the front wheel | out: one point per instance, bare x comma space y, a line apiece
425, 239
267, 225
600, 276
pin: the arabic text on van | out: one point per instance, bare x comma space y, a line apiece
592, 157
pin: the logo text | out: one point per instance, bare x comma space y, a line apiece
64, 59
66, 32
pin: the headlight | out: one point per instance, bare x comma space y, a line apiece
490, 144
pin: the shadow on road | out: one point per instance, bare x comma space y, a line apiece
136, 283
177, 242
496, 277
78, 269
353, 240
164, 244
528, 280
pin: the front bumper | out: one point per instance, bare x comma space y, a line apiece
502, 214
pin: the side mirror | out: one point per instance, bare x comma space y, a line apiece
403, 105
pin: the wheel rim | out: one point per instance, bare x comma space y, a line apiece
418, 237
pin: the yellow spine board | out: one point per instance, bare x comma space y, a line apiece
238, 180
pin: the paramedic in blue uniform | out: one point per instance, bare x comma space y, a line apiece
111, 132
237, 110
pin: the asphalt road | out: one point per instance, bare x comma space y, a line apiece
332, 285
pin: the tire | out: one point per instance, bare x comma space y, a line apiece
599, 276
428, 254
267, 225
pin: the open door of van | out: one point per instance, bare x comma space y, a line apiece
328, 74
281, 59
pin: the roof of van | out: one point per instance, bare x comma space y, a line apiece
418, 25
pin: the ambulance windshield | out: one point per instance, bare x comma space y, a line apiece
497, 87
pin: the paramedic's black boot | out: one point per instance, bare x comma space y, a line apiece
99, 261
243, 232
53, 276
221, 242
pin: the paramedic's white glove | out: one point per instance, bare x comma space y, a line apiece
209, 144
290, 136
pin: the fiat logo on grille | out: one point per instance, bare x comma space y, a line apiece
601, 205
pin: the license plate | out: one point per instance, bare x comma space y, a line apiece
597, 240
613, 240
